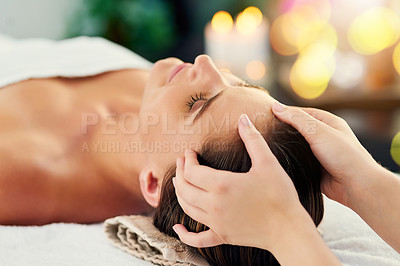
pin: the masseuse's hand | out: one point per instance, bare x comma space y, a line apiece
345, 161
353, 177
248, 209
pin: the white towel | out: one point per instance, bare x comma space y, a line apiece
77, 57
352, 240
137, 235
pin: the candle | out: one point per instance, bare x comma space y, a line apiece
240, 47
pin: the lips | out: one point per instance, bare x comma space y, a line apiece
176, 70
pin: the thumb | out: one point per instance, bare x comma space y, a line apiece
200, 240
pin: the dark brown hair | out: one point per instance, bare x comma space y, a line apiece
294, 155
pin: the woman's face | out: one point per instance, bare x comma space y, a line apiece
184, 104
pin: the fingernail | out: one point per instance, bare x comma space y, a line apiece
245, 121
278, 107
188, 152
176, 229
173, 181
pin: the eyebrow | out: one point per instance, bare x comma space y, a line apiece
247, 85
207, 105
215, 97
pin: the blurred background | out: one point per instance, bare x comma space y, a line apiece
338, 55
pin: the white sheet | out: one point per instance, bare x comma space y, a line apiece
352, 240
77, 57
60, 244
71, 244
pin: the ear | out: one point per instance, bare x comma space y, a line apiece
150, 186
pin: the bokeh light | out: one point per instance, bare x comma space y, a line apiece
301, 26
255, 13
278, 41
396, 58
222, 22
247, 22
295, 30
324, 45
311, 73
350, 69
374, 30
327, 37
323, 7
395, 148
304, 29
255, 70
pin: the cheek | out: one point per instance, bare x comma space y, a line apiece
160, 123
165, 149
162, 117
164, 154
157, 101
167, 146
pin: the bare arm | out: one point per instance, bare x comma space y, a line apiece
353, 178
377, 201
301, 244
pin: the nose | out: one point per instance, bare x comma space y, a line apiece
203, 61
206, 69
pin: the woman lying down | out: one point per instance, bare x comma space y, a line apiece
85, 137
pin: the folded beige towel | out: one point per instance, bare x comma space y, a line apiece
138, 236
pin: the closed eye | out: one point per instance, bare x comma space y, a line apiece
206, 103
194, 99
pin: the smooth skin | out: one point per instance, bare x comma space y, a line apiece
86, 149
276, 220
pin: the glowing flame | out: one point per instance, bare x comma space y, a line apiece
255, 70
222, 22
254, 12
248, 20
374, 30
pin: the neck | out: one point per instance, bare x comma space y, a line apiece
120, 158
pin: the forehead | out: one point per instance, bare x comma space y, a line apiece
222, 117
